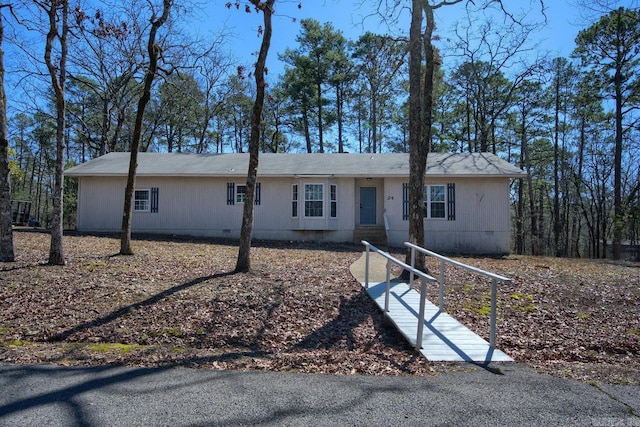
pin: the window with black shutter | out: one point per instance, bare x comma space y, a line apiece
436, 204
236, 193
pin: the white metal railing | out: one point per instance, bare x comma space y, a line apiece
414, 272
386, 227
495, 278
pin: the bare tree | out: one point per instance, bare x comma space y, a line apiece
154, 51
57, 11
424, 60
243, 263
592, 10
104, 65
490, 54
211, 68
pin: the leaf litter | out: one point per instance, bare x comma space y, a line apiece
176, 302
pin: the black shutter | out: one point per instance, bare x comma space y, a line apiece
405, 201
154, 199
231, 190
451, 201
257, 196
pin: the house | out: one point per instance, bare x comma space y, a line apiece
315, 197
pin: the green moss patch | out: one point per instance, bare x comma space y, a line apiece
115, 347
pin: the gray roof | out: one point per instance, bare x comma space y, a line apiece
288, 165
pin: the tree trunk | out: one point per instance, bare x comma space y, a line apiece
307, 135
243, 263
373, 122
320, 126
58, 75
417, 152
557, 226
618, 216
532, 203
102, 150
6, 230
519, 218
339, 109
153, 52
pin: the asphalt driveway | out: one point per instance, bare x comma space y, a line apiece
473, 396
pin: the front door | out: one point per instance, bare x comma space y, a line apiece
368, 205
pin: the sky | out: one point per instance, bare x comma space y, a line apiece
353, 19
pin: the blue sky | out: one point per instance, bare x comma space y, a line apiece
557, 36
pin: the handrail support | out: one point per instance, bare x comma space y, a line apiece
423, 292
388, 287
366, 268
494, 304
494, 284
441, 290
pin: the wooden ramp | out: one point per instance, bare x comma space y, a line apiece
444, 338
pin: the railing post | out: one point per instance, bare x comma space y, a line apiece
492, 326
366, 269
388, 288
441, 290
423, 293
413, 265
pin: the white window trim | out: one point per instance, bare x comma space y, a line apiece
148, 200
333, 200
304, 206
427, 201
295, 191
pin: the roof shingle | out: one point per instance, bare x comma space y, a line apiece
378, 165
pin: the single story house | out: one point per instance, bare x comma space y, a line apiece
315, 197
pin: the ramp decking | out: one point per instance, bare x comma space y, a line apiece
444, 338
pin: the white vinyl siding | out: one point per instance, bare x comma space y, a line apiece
482, 217
477, 217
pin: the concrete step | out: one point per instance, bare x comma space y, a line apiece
374, 235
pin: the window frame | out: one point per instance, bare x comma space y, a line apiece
316, 202
136, 200
240, 197
429, 203
295, 198
333, 201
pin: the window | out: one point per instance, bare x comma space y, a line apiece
241, 191
237, 194
334, 201
313, 200
141, 201
434, 201
439, 201
294, 201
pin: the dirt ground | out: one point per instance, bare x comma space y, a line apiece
177, 302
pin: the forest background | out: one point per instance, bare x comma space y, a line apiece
340, 85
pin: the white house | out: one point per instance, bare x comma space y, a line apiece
316, 197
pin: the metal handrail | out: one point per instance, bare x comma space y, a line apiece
413, 271
495, 278
386, 227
